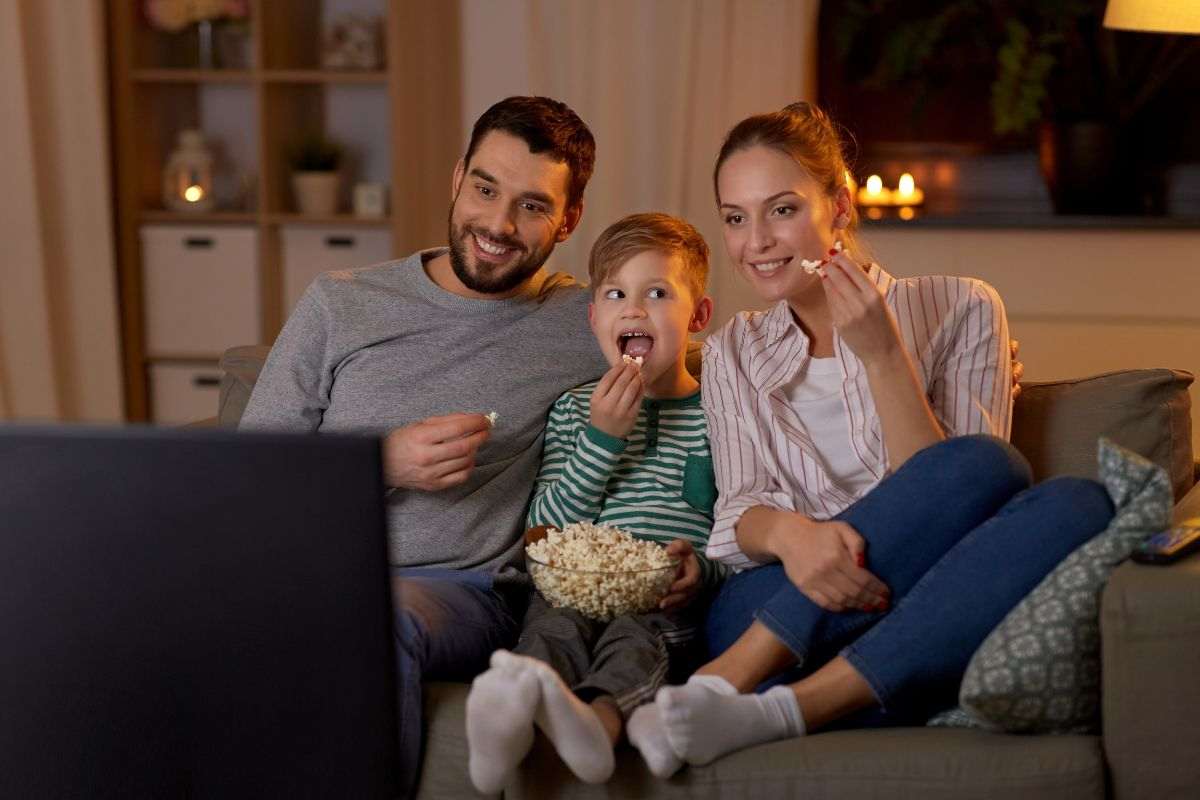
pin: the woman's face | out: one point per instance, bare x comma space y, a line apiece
774, 215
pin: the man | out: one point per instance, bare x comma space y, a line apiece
418, 351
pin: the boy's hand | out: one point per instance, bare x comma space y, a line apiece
687, 579
617, 400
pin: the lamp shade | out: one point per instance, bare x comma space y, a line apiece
1157, 16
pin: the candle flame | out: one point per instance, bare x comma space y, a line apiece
875, 184
193, 194
907, 184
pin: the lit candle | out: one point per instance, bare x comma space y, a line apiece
193, 194
874, 193
907, 193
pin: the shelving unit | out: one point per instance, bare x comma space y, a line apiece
252, 115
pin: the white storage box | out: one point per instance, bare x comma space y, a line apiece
201, 289
309, 251
182, 393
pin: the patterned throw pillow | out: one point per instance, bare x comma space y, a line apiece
1039, 670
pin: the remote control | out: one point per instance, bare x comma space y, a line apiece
1170, 545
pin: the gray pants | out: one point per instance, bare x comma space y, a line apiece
627, 659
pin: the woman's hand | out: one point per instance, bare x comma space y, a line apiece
825, 561
859, 311
617, 400
687, 578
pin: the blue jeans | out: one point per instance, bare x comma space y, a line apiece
448, 622
959, 538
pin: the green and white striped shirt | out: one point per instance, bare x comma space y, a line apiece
657, 483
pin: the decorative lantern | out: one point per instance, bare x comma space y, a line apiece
188, 176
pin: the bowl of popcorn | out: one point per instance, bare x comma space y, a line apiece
600, 571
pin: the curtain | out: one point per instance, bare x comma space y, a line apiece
659, 83
59, 344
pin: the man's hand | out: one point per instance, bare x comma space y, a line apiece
1018, 369
826, 561
617, 400
433, 454
687, 579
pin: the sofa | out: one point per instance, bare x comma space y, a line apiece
1150, 656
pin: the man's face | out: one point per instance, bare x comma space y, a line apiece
509, 211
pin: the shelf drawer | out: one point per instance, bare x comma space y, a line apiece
309, 251
182, 393
201, 288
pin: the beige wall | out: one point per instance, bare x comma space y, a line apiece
1080, 301
59, 348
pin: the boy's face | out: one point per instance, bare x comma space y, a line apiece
645, 308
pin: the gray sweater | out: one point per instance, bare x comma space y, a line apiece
369, 350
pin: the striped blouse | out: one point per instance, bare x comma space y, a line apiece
955, 331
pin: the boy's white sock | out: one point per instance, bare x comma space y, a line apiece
707, 718
500, 709
570, 724
646, 733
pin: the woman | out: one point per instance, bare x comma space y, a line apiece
881, 523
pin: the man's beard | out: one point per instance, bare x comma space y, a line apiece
489, 283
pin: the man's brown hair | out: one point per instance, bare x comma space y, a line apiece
661, 233
546, 126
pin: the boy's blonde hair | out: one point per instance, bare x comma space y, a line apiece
663, 233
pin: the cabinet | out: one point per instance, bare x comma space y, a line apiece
194, 283
307, 252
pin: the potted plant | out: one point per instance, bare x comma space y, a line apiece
315, 161
1054, 69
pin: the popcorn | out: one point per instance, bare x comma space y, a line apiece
600, 571
628, 359
812, 266
492, 416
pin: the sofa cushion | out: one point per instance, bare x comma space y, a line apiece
1056, 424
1039, 670
883, 763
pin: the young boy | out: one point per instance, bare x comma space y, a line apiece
629, 450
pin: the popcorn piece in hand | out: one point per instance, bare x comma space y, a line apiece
492, 416
812, 266
628, 359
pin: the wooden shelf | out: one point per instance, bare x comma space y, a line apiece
254, 115
193, 76
182, 358
198, 218
335, 220
323, 76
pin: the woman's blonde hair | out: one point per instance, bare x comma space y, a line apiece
808, 135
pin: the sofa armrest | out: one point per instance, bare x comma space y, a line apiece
240, 367
1150, 634
1189, 504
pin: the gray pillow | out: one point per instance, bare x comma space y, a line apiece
1039, 670
1056, 423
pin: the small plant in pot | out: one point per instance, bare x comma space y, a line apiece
316, 181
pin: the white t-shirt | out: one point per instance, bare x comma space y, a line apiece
816, 395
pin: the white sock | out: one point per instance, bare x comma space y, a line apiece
646, 733
500, 709
707, 718
570, 724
